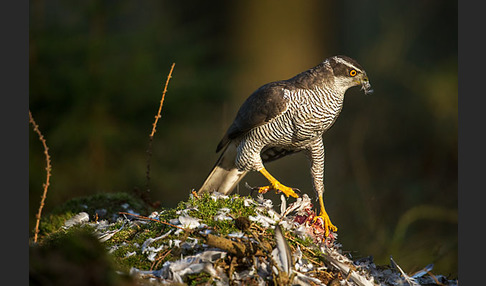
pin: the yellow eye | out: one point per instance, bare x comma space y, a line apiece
353, 72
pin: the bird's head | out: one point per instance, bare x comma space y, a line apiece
348, 73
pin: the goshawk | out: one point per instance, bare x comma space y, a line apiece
282, 118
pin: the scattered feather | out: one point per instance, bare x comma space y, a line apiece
223, 215
265, 221
217, 196
80, 218
282, 254
236, 235
130, 254
154, 215
424, 271
150, 240
410, 280
189, 222
283, 205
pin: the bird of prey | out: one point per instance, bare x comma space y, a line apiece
285, 117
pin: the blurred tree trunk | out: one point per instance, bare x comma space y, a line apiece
274, 41
274, 46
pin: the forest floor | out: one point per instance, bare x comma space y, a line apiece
210, 239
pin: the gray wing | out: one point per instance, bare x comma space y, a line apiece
260, 107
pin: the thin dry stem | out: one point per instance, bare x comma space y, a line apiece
48, 176
162, 101
152, 219
154, 125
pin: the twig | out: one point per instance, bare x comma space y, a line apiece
238, 249
300, 244
156, 263
305, 248
435, 279
48, 169
162, 100
152, 219
154, 125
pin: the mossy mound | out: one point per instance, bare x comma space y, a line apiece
213, 239
102, 206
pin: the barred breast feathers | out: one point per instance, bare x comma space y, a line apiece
315, 108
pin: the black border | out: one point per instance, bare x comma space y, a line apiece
14, 23
471, 143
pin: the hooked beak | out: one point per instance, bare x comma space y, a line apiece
366, 86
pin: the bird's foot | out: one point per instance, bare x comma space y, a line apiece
275, 185
325, 222
279, 188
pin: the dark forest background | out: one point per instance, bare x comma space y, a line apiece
97, 70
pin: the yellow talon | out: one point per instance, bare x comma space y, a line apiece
276, 185
328, 226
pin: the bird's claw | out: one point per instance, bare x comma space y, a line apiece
279, 188
326, 223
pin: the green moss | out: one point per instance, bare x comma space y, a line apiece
198, 279
125, 263
130, 239
130, 236
57, 238
306, 241
53, 222
206, 208
98, 206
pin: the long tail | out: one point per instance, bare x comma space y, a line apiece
225, 176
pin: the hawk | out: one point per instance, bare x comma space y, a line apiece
282, 118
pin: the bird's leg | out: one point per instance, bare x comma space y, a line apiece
315, 153
328, 226
275, 185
